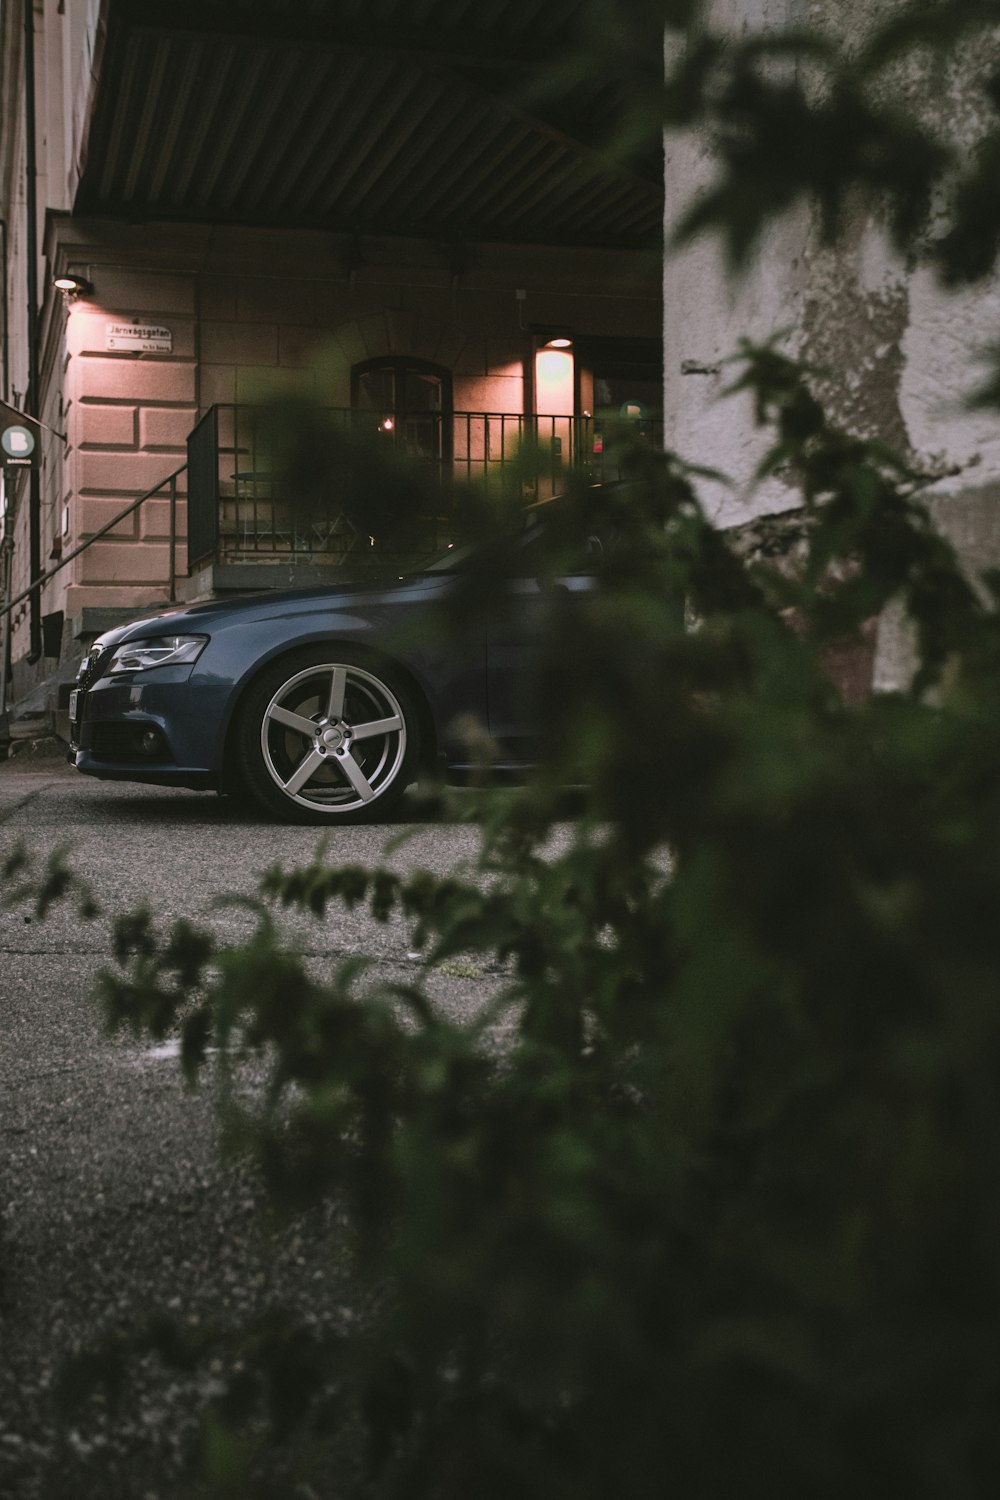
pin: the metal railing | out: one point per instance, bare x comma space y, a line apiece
241, 506
167, 488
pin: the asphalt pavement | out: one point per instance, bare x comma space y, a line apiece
115, 1200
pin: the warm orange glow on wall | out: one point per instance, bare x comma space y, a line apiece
554, 383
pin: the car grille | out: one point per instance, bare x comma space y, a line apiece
91, 667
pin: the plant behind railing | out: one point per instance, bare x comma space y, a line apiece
295, 480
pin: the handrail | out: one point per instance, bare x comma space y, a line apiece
39, 583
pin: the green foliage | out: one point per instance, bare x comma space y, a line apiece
332, 470
721, 1158
41, 889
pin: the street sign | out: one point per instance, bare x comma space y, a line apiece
138, 338
18, 446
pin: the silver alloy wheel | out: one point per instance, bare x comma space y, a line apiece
333, 738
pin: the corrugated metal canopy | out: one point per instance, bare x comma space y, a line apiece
376, 116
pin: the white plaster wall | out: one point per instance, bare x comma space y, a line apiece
900, 350
946, 339
707, 311
876, 325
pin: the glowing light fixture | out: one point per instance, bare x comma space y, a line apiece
552, 336
73, 285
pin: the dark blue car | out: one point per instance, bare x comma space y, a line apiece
323, 703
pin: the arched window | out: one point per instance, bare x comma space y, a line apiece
410, 400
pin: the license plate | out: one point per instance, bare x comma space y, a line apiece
74, 699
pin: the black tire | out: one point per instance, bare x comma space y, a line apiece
327, 736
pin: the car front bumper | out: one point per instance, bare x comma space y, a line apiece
163, 730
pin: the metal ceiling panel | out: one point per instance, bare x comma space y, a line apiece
397, 119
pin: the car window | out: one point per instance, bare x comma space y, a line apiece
547, 549
546, 542
452, 560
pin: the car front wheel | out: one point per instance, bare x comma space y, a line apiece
327, 737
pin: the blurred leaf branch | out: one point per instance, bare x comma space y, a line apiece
722, 1152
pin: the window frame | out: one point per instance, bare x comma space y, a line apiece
399, 364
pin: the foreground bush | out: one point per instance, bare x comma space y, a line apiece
715, 1214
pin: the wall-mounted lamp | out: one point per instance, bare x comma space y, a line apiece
72, 285
552, 336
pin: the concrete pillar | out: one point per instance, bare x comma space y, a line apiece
899, 349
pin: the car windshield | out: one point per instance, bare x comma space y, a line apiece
549, 524
458, 555
452, 560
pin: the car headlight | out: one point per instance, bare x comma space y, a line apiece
158, 651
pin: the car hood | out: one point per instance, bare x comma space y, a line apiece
196, 619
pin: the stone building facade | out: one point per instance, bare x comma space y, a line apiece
413, 220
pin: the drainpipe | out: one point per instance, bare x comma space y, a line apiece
6, 545
6, 574
31, 403
6, 342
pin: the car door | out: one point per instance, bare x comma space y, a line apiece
514, 632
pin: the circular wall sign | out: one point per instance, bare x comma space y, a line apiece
18, 442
